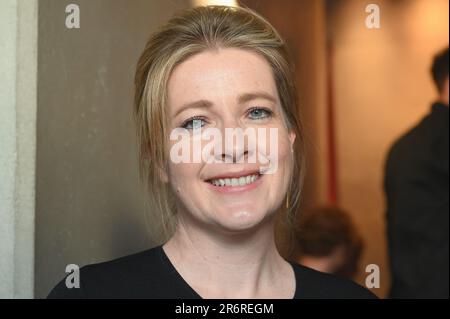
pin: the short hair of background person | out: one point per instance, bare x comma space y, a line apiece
439, 71
329, 241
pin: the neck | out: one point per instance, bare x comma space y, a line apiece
228, 265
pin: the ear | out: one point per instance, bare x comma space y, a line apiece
292, 137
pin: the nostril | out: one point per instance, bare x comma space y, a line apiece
231, 158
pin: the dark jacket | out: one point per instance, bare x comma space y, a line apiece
417, 193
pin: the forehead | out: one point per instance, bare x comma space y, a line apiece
220, 74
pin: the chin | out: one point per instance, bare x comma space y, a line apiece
242, 220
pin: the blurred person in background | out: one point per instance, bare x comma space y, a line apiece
328, 241
417, 194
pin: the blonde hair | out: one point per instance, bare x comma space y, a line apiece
189, 33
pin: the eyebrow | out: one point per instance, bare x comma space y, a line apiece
243, 98
247, 97
200, 104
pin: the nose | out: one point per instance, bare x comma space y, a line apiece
235, 147
233, 154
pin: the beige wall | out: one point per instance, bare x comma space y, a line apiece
18, 69
382, 88
88, 204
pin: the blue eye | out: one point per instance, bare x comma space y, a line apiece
193, 123
258, 113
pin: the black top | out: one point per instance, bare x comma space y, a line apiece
150, 274
417, 193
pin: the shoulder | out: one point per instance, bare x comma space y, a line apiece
431, 129
410, 140
132, 265
423, 149
312, 284
125, 277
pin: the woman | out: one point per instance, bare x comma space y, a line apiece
216, 68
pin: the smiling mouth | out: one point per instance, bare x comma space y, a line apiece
235, 181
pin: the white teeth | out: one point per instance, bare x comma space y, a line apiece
241, 181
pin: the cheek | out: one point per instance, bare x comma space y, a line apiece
183, 176
285, 167
285, 154
278, 183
